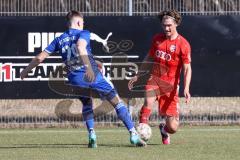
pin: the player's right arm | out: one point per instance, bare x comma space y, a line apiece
52, 47
34, 63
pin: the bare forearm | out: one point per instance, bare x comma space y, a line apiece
146, 66
35, 62
187, 77
84, 57
81, 46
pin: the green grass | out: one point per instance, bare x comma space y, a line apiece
190, 143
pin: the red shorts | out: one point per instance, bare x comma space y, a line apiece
166, 94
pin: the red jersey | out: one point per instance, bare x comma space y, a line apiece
169, 57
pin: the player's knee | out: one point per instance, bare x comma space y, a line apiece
115, 100
113, 97
172, 126
86, 101
172, 129
149, 101
87, 113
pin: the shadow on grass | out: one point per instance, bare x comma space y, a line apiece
127, 145
115, 145
154, 144
28, 146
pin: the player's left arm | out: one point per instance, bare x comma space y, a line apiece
34, 63
187, 69
83, 41
187, 72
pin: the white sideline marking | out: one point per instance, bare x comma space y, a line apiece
59, 57
14, 131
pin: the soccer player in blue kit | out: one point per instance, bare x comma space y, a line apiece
83, 71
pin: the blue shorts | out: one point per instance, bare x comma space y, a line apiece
101, 84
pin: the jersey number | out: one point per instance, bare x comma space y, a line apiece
72, 51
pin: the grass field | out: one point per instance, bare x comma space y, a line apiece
190, 143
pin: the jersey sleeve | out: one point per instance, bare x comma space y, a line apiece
52, 47
85, 35
186, 53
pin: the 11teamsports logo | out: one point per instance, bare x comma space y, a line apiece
10, 70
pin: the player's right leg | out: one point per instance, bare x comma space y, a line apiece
106, 89
124, 116
146, 109
151, 92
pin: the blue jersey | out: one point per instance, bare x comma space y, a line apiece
66, 46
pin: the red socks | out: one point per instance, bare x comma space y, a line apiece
144, 114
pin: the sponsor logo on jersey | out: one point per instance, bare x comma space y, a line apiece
172, 48
163, 55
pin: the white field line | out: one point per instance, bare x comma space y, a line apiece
14, 131
59, 57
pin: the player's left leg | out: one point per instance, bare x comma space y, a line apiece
170, 127
77, 79
172, 123
168, 107
88, 117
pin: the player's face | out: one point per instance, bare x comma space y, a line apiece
169, 26
81, 22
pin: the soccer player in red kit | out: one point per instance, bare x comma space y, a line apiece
170, 53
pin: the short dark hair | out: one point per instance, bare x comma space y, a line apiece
171, 13
72, 14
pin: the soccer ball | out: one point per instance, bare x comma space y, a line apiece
144, 131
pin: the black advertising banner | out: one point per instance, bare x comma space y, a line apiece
214, 41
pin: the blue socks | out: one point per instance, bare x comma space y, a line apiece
88, 117
121, 110
124, 115
87, 112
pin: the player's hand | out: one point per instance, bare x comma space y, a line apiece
187, 95
23, 74
90, 74
133, 80
100, 66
